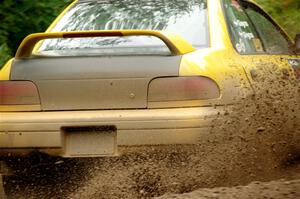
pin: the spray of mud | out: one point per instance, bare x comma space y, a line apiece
255, 140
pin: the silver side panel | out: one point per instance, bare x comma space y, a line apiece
77, 83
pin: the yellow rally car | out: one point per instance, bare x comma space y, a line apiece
108, 74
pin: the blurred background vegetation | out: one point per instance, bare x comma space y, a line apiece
285, 12
21, 17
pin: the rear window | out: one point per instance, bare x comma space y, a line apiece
188, 18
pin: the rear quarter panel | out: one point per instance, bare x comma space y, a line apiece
220, 61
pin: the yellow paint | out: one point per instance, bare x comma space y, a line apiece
220, 61
23, 108
176, 44
5, 71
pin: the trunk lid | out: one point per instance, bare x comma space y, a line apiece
87, 83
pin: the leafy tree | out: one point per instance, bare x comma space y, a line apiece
22, 17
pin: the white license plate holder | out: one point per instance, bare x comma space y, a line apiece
90, 141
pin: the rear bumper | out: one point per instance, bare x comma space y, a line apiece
23, 132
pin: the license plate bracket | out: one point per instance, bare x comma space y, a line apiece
90, 141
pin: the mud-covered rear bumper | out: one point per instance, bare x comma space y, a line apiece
23, 132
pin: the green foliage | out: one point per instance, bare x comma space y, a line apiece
22, 17
285, 12
5, 54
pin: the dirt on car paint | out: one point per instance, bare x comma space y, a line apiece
257, 140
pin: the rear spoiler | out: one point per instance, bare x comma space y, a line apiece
176, 44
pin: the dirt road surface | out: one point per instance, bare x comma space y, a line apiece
258, 190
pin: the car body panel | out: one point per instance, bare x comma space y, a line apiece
85, 83
260, 67
220, 62
134, 127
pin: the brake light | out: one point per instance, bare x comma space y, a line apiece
182, 88
18, 93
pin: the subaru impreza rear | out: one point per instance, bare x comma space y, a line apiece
111, 74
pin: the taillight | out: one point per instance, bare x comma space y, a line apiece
18, 93
182, 88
